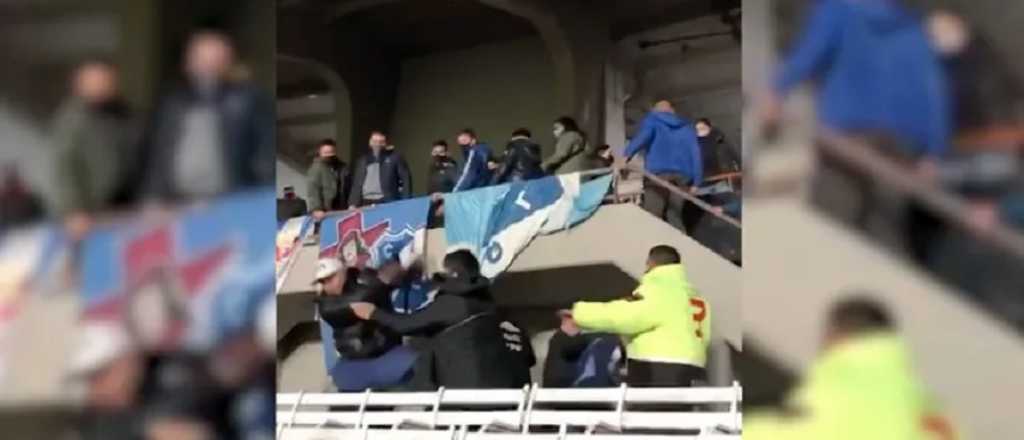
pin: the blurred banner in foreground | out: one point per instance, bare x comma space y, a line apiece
190, 280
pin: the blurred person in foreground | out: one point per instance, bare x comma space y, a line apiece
371, 355
522, 159
671, 151
94, 137
468, 343
380, 176
214, 134
130, 392
877, 75
666, 347
862, 386
329, 181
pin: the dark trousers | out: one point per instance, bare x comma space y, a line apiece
664, 204
663, 374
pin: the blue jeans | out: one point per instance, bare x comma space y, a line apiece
385, 371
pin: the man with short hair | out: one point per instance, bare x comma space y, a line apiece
522, 159
329, 181
667, 348
381, 175
443, 169
475, 173
213, 136
672, 153
861, 386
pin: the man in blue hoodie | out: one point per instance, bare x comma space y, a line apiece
475, 173
877, 74
671, 152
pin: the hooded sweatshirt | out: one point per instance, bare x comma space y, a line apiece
877, 73
863, 388
671, 146
654, 320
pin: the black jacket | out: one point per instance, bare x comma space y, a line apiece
395, 180
355, 338
521, 162
444, 172
465, 344
246, 118
718, 156
290, 208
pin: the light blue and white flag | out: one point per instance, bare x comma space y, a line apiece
496, 223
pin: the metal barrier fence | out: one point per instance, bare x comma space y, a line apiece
530, 412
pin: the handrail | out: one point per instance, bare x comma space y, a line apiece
949, 205
686, 196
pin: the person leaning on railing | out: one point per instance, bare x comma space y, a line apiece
671, 152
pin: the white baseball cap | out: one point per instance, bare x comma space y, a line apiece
327, 267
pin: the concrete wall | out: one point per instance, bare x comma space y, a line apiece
289, 175
492, 88
703, 81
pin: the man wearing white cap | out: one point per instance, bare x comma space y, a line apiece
371, 356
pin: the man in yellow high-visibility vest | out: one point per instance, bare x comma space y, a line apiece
666, 333
862, 386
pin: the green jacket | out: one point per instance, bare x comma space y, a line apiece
654, 320
327, 189
571, 155
859, 389
94, 157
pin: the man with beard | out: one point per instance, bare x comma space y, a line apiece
328, 181
468, 344
93, 141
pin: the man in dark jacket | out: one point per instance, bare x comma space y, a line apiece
444, 170
717, 155
94, 140
671, 152
371, 355
475, 173
380, 176
522, 159
329, 181
213, 136
466, 343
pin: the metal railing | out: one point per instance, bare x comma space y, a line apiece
680, 192
711, 411
950, 206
